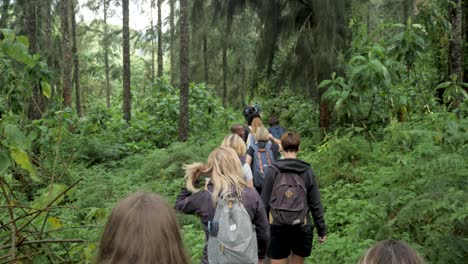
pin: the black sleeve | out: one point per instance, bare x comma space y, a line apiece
262, 228
275, 150
315, 206
270, 176
251, 152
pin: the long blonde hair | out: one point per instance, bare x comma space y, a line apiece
261, 134
235, 142
223, 168
142, 228
256, 123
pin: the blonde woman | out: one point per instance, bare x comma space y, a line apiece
206, 183
256, 123
260, 155
235, 142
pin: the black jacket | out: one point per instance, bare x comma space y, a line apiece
304, 170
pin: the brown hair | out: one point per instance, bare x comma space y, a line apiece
273, 120
236, 142
391, 251
142, 228
256, 123
225, 173
290, 142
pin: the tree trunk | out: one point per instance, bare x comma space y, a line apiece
160, 39
205, 57
456, 40
225, 62
66, 53
172, 39
106, 52
152, 43
4, 14
126, 62
406, 10
36, 105
465, 26
184, 71
76, 63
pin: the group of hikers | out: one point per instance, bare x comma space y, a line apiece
256, 201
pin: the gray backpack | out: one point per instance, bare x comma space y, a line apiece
232, 237
288, 200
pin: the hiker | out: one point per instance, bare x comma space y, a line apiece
249, 112
391, 251
233, 216
275, 129
290, 191
235, 142
142, 228
255, 124
239, 130
260, 155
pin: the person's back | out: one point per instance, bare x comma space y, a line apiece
291, 230
275, 129
142, 229
260, 155
223, 171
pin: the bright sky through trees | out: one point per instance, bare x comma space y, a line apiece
139, 14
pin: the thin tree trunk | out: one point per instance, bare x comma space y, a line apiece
126, 62
36, 103
465, 26
66, 53
172, 39
76, 62
4, 14
225, 62
106, 52
184, 72
152, 43
456, 40
406, 10
205, 58
160, 39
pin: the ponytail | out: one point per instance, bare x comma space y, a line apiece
192, 172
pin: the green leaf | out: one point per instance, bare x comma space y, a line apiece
443, 85
23, 40
22, 159
8, 33
5, 161
16, 138
46, 90
48, 194
324, 83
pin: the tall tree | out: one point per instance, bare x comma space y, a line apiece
36, 105
76, 63
152, 40
126, 62
172, 39
160, 39
105, 43
184, 71
67, 61
456, 40
4, 14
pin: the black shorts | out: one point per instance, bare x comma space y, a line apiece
285, 240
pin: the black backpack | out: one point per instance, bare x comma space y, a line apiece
288, 200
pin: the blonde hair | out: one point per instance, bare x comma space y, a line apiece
256, 123
142, 228
235, 142
262, 134
224, 169
391, 251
